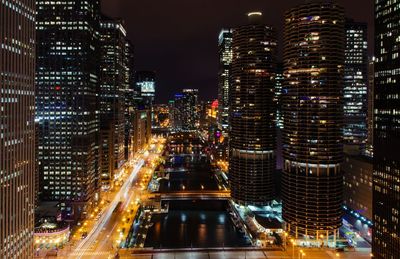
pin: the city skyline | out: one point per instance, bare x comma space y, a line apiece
175, 30
289, 150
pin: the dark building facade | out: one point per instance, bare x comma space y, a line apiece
252, 109
357, 177
130, 98
369, 150
312, 184
67, 81
386, 178
114, 82
17, 128
142, 130
355, 86
225, 60
185, 110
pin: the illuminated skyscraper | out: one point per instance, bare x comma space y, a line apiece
386, 178
130, 98
67, 80
252, 113
369, 150
312, 184
114, 84
146, 84
185, 114
278, 94
17, 128
355, 85
225, 60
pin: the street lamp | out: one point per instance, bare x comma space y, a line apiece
301, 254
293, 244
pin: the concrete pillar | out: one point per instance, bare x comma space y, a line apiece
306, 235
327, 238
334, 237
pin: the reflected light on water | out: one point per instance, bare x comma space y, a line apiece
183, 217
202, 235
221, 219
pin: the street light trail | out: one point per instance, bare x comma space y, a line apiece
94, 233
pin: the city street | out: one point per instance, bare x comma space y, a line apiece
105, 233
105, 220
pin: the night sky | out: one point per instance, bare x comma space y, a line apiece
178, 38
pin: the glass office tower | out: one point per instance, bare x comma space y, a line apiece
356, 85
114, 83
225, 60
386, 178
67, 81
17, 128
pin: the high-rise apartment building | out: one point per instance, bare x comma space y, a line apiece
17, 128
386, 178
312, 184
252, 113
185, 111
225, 60
114, 83
67, 87
355, 86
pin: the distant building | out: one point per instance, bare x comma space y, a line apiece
146, 83
314, 59
225, 60
369, 150
114, 82
252, 113
67, 88
131, 98
161, 116
355, 86
17, 128
386, 187
185, 111
142, 130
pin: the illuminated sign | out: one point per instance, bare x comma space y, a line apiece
147, 86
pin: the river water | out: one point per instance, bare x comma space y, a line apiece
192, 223
196, 224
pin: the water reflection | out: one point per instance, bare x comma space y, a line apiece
194, 224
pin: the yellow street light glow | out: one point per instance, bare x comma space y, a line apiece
254, 13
